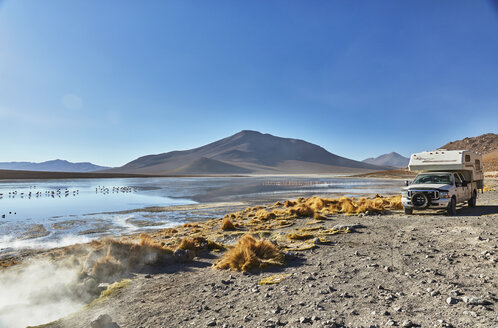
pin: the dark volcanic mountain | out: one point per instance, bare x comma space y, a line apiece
247, 152
57, 165
392, 159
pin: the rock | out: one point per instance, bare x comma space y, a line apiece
304, 320
435, 293
350, 227
103, 321
451, 300
276, 310
211, 323
407, 324
475, 301
455, 292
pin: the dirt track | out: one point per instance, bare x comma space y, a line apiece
395, 270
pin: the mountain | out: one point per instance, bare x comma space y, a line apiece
392, 159
57, 165
486, 144
247, 152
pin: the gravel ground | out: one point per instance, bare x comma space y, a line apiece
423, 270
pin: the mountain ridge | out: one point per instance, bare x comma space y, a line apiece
252, 152
57, 165
391, 159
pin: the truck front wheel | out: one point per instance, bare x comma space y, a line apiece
452, 207
408, 210
473, 200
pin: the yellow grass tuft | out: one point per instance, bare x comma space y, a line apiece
115, 287
195, 244
250, 253
227, 224
300, 236
107, 269
275, 279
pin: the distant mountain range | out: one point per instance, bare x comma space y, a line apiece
57, 165
392, 159
247, 152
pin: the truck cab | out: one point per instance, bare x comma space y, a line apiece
458, 181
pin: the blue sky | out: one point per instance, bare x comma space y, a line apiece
108, 81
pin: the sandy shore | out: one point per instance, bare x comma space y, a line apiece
424, 270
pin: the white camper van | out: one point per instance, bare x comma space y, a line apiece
446, 178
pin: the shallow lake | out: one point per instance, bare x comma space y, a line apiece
51, 213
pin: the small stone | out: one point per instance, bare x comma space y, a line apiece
455, 292
451, 300
315, 318
407, 324
276, 310
435, 293
103, 321
305, 320
148, 276
475, 301
211, 323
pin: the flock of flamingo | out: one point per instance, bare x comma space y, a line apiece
59, 193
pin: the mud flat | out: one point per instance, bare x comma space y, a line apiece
423, 270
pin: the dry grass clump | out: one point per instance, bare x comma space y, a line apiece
196, 244
264, 215
8, 263
273, 279
108, 269
112, 259
250, 253
317, 206
227, 224
300, 236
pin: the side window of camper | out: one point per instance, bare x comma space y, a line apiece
458, 180
467, 158
478, 165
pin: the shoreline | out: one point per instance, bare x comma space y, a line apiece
386, 271
305, 260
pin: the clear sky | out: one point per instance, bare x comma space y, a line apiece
108, 81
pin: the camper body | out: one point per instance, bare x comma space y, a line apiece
446, 178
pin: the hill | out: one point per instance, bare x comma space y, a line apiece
247, 152
57, 165
392, 159
486, 144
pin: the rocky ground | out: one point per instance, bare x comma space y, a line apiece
423, 270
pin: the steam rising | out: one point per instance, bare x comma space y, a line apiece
37, 292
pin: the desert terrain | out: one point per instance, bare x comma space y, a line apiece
369, 269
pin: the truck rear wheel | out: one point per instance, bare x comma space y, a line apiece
408, 210
473, 200
452, 207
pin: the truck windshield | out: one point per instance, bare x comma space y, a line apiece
444, 178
